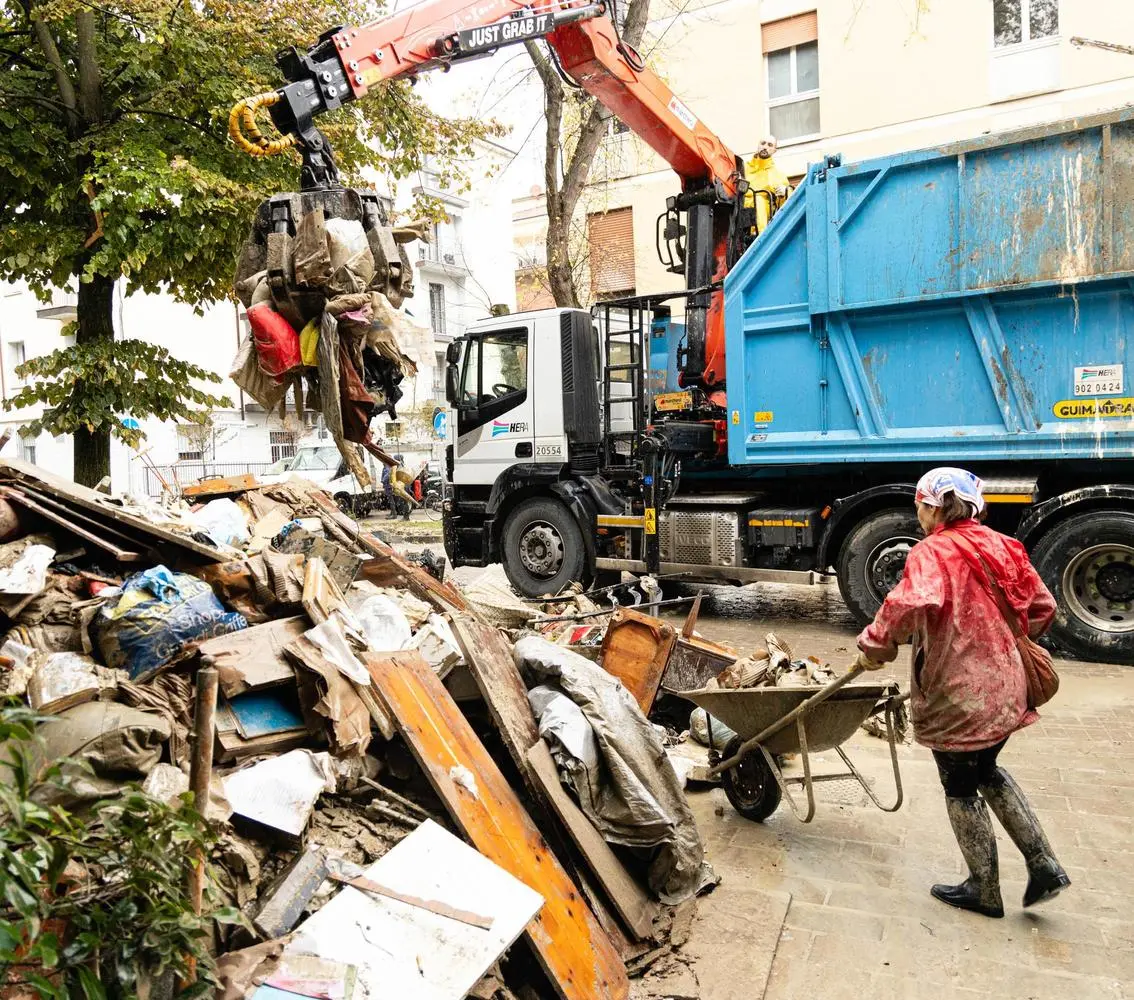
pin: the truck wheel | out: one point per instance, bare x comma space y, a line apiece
872, 558
1087, 563
345, 502
543, 548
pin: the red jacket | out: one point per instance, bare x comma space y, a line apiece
967, 684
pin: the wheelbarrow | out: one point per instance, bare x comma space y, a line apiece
772, 721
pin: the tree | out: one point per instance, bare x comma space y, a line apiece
568, 157
116, 165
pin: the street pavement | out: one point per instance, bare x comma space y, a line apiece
860, 922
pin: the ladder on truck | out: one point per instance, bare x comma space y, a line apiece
624, 326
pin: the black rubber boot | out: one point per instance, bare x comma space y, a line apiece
980, 892
1046, 877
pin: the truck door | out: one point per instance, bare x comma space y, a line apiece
495, 411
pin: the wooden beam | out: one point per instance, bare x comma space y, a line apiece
575, 952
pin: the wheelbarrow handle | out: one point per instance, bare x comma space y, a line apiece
819, 696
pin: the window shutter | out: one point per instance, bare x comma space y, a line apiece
610, 236
789, 31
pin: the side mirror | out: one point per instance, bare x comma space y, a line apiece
452, 383
453, 352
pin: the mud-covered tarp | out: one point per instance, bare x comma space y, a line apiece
630, 792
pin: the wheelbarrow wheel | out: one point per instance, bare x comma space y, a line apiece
750, 785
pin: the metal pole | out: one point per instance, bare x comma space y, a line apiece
200, 775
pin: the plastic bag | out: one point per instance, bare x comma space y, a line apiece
699, 729
383, 623
223, 521
277, 343
247, 373
156, 618
309, 343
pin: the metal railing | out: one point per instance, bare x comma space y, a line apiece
186, 473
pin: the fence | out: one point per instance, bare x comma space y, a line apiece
184, 473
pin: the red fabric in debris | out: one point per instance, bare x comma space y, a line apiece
277, 343
967, 684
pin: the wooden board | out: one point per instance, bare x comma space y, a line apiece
630, 900
404, 950
220, 486
635, 650
253, 658
574, 951
489, 658
101, 505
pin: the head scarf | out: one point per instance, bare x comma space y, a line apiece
933, 486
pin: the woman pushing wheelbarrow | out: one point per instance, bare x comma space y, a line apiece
972, 603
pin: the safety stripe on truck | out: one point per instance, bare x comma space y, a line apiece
1009, 498
618, 521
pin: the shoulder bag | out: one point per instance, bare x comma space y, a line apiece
1042, 680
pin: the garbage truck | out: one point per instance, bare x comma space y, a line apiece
970, 304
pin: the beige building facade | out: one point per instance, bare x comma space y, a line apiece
860, 78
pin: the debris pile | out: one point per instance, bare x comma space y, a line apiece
402, 788
322, 279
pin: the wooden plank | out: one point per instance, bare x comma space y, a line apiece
253, 658
404, 950
634, 906
122, 555
98, 503
220, 485
432, 905
489, 658
577, 955
636, 649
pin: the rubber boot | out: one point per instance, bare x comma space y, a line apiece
1046, 877
980, 892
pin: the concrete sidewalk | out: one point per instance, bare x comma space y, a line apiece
861, 922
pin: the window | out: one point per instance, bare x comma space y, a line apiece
496, 365
1017, 21
27, 447
17, 354
437, 307
282, 444
439, 375
610, 239
791, 55
191, 443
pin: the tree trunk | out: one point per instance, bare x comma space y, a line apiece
560, 274
96, 322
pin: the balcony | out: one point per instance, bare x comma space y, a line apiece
63, 307
441, 258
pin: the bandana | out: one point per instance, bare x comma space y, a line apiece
933, 486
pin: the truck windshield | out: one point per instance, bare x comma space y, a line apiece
496, 365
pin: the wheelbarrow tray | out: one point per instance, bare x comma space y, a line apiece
749, 711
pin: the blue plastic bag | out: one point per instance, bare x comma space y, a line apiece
156, 617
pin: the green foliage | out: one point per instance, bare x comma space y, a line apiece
149, 150
92, 385
87, 905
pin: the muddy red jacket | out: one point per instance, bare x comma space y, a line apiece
967, 682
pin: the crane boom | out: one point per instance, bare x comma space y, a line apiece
347, 62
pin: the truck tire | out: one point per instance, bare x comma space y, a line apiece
542, 548
1087, 563
345, 502
872, 558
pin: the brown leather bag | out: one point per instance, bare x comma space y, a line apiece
1042, 680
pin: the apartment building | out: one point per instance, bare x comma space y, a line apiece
856, 77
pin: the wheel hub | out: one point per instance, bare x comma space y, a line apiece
1098, 585
886, 564
541, 550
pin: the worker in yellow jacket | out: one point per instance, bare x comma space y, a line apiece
768, 185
